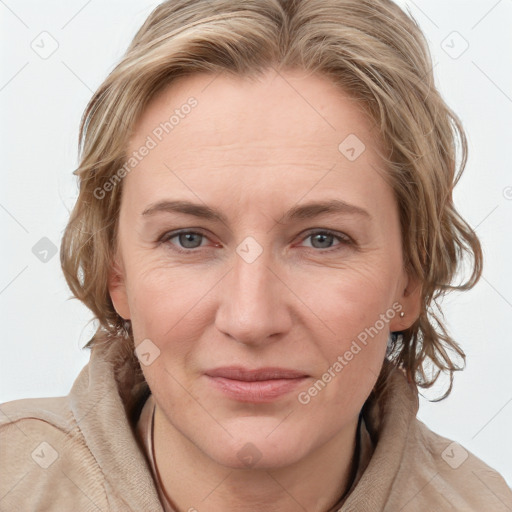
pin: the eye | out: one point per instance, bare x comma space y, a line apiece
187, 240
324, 239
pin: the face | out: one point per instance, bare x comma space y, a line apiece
224, 264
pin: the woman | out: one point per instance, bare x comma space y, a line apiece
264, 222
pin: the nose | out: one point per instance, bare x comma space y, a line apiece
254, 306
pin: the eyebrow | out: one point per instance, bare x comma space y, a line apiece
300, 212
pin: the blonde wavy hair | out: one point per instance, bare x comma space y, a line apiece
374, 51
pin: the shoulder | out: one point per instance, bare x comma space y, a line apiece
48, 462
439, 471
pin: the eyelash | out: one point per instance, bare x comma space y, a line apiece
344, 240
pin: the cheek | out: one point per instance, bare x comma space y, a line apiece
164, 299
352, 309
357, 310
349, 299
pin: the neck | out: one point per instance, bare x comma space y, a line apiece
194, 482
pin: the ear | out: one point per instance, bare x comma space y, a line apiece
117, 289
409, 298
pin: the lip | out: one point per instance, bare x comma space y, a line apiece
257, 386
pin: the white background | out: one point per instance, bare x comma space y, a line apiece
41, 102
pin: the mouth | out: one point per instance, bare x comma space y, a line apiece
256, 386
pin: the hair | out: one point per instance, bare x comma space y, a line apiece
377, 54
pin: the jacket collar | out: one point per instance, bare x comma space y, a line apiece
104, 399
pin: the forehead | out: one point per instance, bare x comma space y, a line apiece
304, 107
225, 131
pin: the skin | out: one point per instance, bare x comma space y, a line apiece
253, 150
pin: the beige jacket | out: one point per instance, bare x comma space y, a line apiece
82, 452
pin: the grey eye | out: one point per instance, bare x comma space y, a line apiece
189, 240
324, 240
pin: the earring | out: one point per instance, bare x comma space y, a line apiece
402, 314
126, 329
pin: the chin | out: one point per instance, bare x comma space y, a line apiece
257, 445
